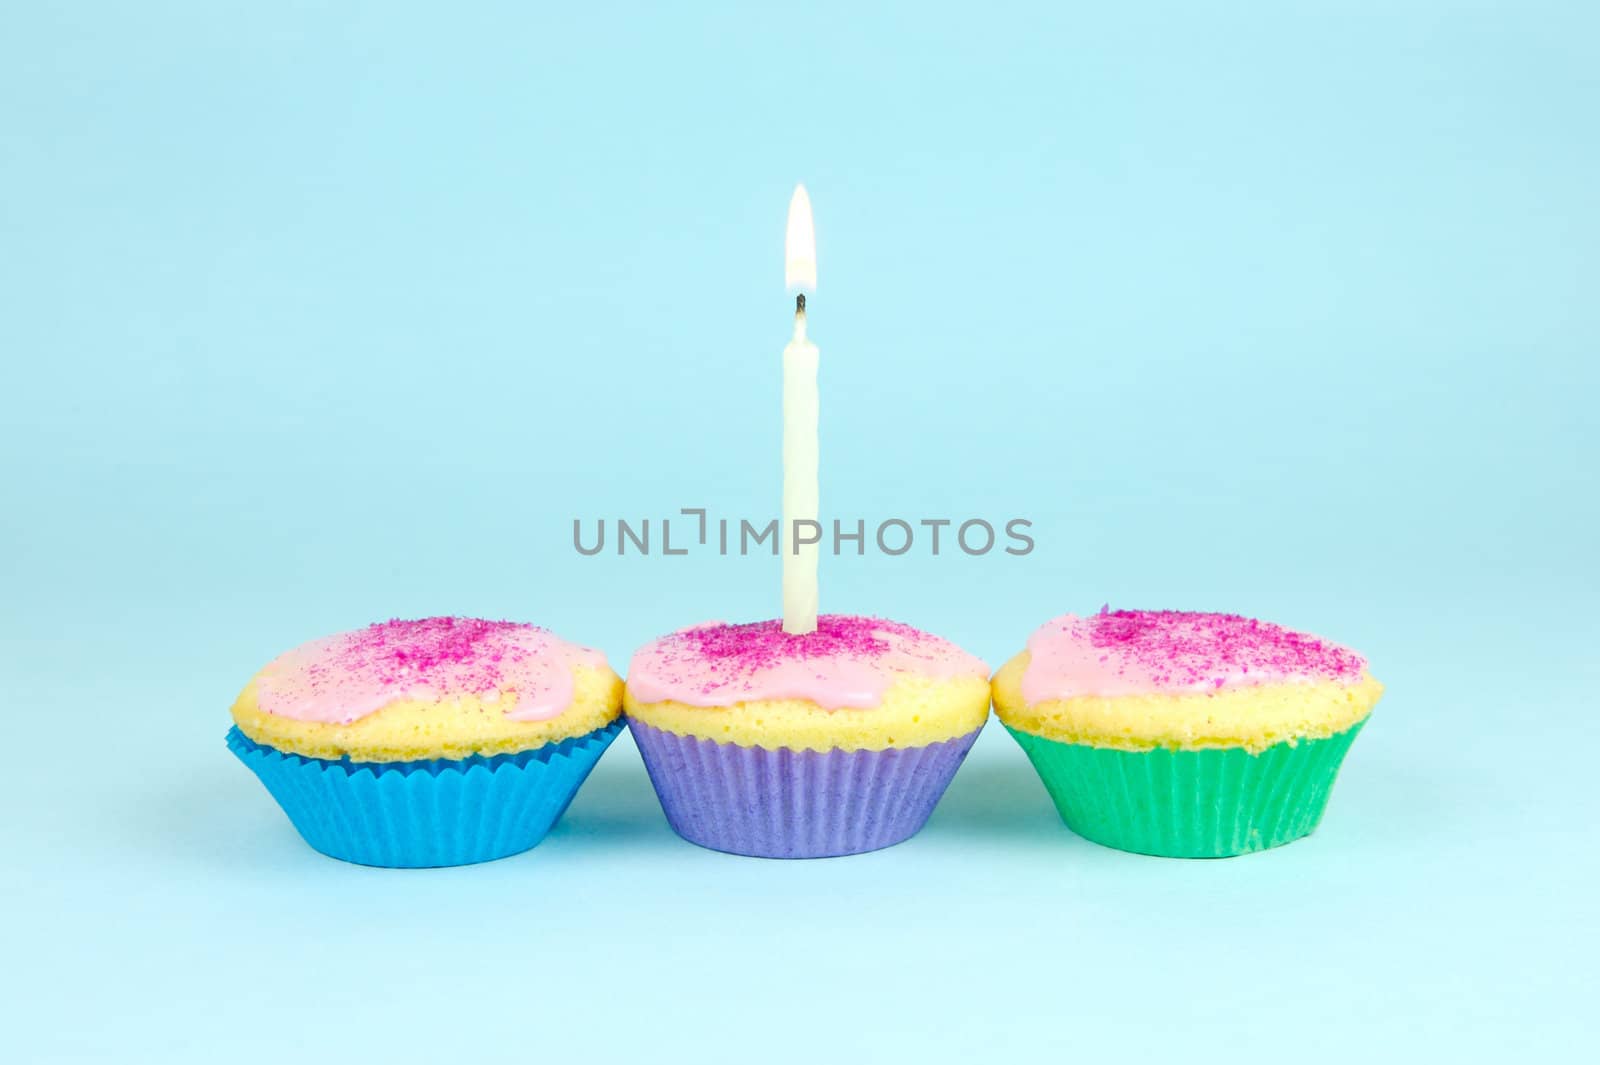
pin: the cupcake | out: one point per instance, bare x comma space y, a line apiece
425, 743
778, 746
1182, 734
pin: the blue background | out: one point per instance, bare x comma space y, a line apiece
313, 316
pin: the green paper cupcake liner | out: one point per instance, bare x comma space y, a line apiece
1189, 804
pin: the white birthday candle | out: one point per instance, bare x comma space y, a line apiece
800, 406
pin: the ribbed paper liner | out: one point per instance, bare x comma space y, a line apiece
420, 814
1190, 804
795, 804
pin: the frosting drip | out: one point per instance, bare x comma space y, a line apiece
847, 663
1129, 652
340, 679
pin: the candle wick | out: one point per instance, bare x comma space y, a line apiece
800, 303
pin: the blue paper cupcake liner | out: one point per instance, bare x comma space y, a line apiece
409, 815
795, 804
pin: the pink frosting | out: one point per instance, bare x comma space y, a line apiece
1128, 652
848, 663
339, 679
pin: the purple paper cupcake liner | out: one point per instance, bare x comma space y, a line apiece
795, 804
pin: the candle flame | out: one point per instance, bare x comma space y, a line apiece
800, 244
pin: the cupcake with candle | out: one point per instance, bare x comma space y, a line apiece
437, 742
835, 742
814, 736
1182, 734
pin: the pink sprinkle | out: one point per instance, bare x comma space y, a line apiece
411, 652
1183, 648
758, 644
848, 661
